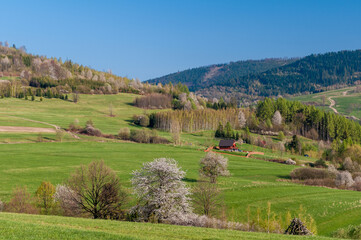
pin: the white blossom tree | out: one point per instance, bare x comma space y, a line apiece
344, 179
277, 118
214, 165
160, 190
89, 74
241, 119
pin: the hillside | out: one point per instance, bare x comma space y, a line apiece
314, 73
203, 77
22, 226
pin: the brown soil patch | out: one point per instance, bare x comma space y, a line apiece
26, 129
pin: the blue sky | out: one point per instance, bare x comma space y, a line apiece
146, 39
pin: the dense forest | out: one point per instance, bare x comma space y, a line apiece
314, 73
202, 77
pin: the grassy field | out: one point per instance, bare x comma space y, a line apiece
347, 101
14, 112
19, 226
253, 182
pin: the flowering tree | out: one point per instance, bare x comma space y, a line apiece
214, 165
160, 191
241, 119
277, 118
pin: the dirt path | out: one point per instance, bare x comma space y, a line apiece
45, 123
26, 129
332, 103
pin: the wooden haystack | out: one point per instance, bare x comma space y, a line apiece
297, 228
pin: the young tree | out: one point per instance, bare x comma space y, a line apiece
45, 195
160, 190
97, 190
206, 198
214, 165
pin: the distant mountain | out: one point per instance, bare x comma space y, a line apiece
203, 77
273, 77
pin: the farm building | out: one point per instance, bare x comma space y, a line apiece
227, 145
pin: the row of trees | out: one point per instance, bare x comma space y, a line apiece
306, 120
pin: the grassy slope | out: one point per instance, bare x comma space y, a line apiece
62, 113
343, 102
19, 226
253, 182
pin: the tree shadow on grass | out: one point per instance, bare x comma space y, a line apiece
189, 180
287, 177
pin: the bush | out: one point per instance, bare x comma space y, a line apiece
320, 163
309, 173
22, 202
141, 120
91, 131
350, 232
140, 136
124, 133
144, 121
146, 136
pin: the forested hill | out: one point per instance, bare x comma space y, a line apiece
275, 77
203, 77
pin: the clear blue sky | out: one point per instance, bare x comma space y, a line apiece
146, 39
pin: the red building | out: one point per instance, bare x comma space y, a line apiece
227, 145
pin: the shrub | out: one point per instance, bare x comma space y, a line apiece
195, 220
91, 131
320, 163
309, 173
350, 165
144, 121
22, 202
124, 133
350, 232
140, 136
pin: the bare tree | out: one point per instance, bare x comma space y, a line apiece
214, 165
97, 190
206, 198
160, 190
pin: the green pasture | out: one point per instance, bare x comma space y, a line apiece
22, 226
252, 182
19, 112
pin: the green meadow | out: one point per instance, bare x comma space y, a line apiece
253, 182
21, 226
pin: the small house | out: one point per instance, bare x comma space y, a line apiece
227, 145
